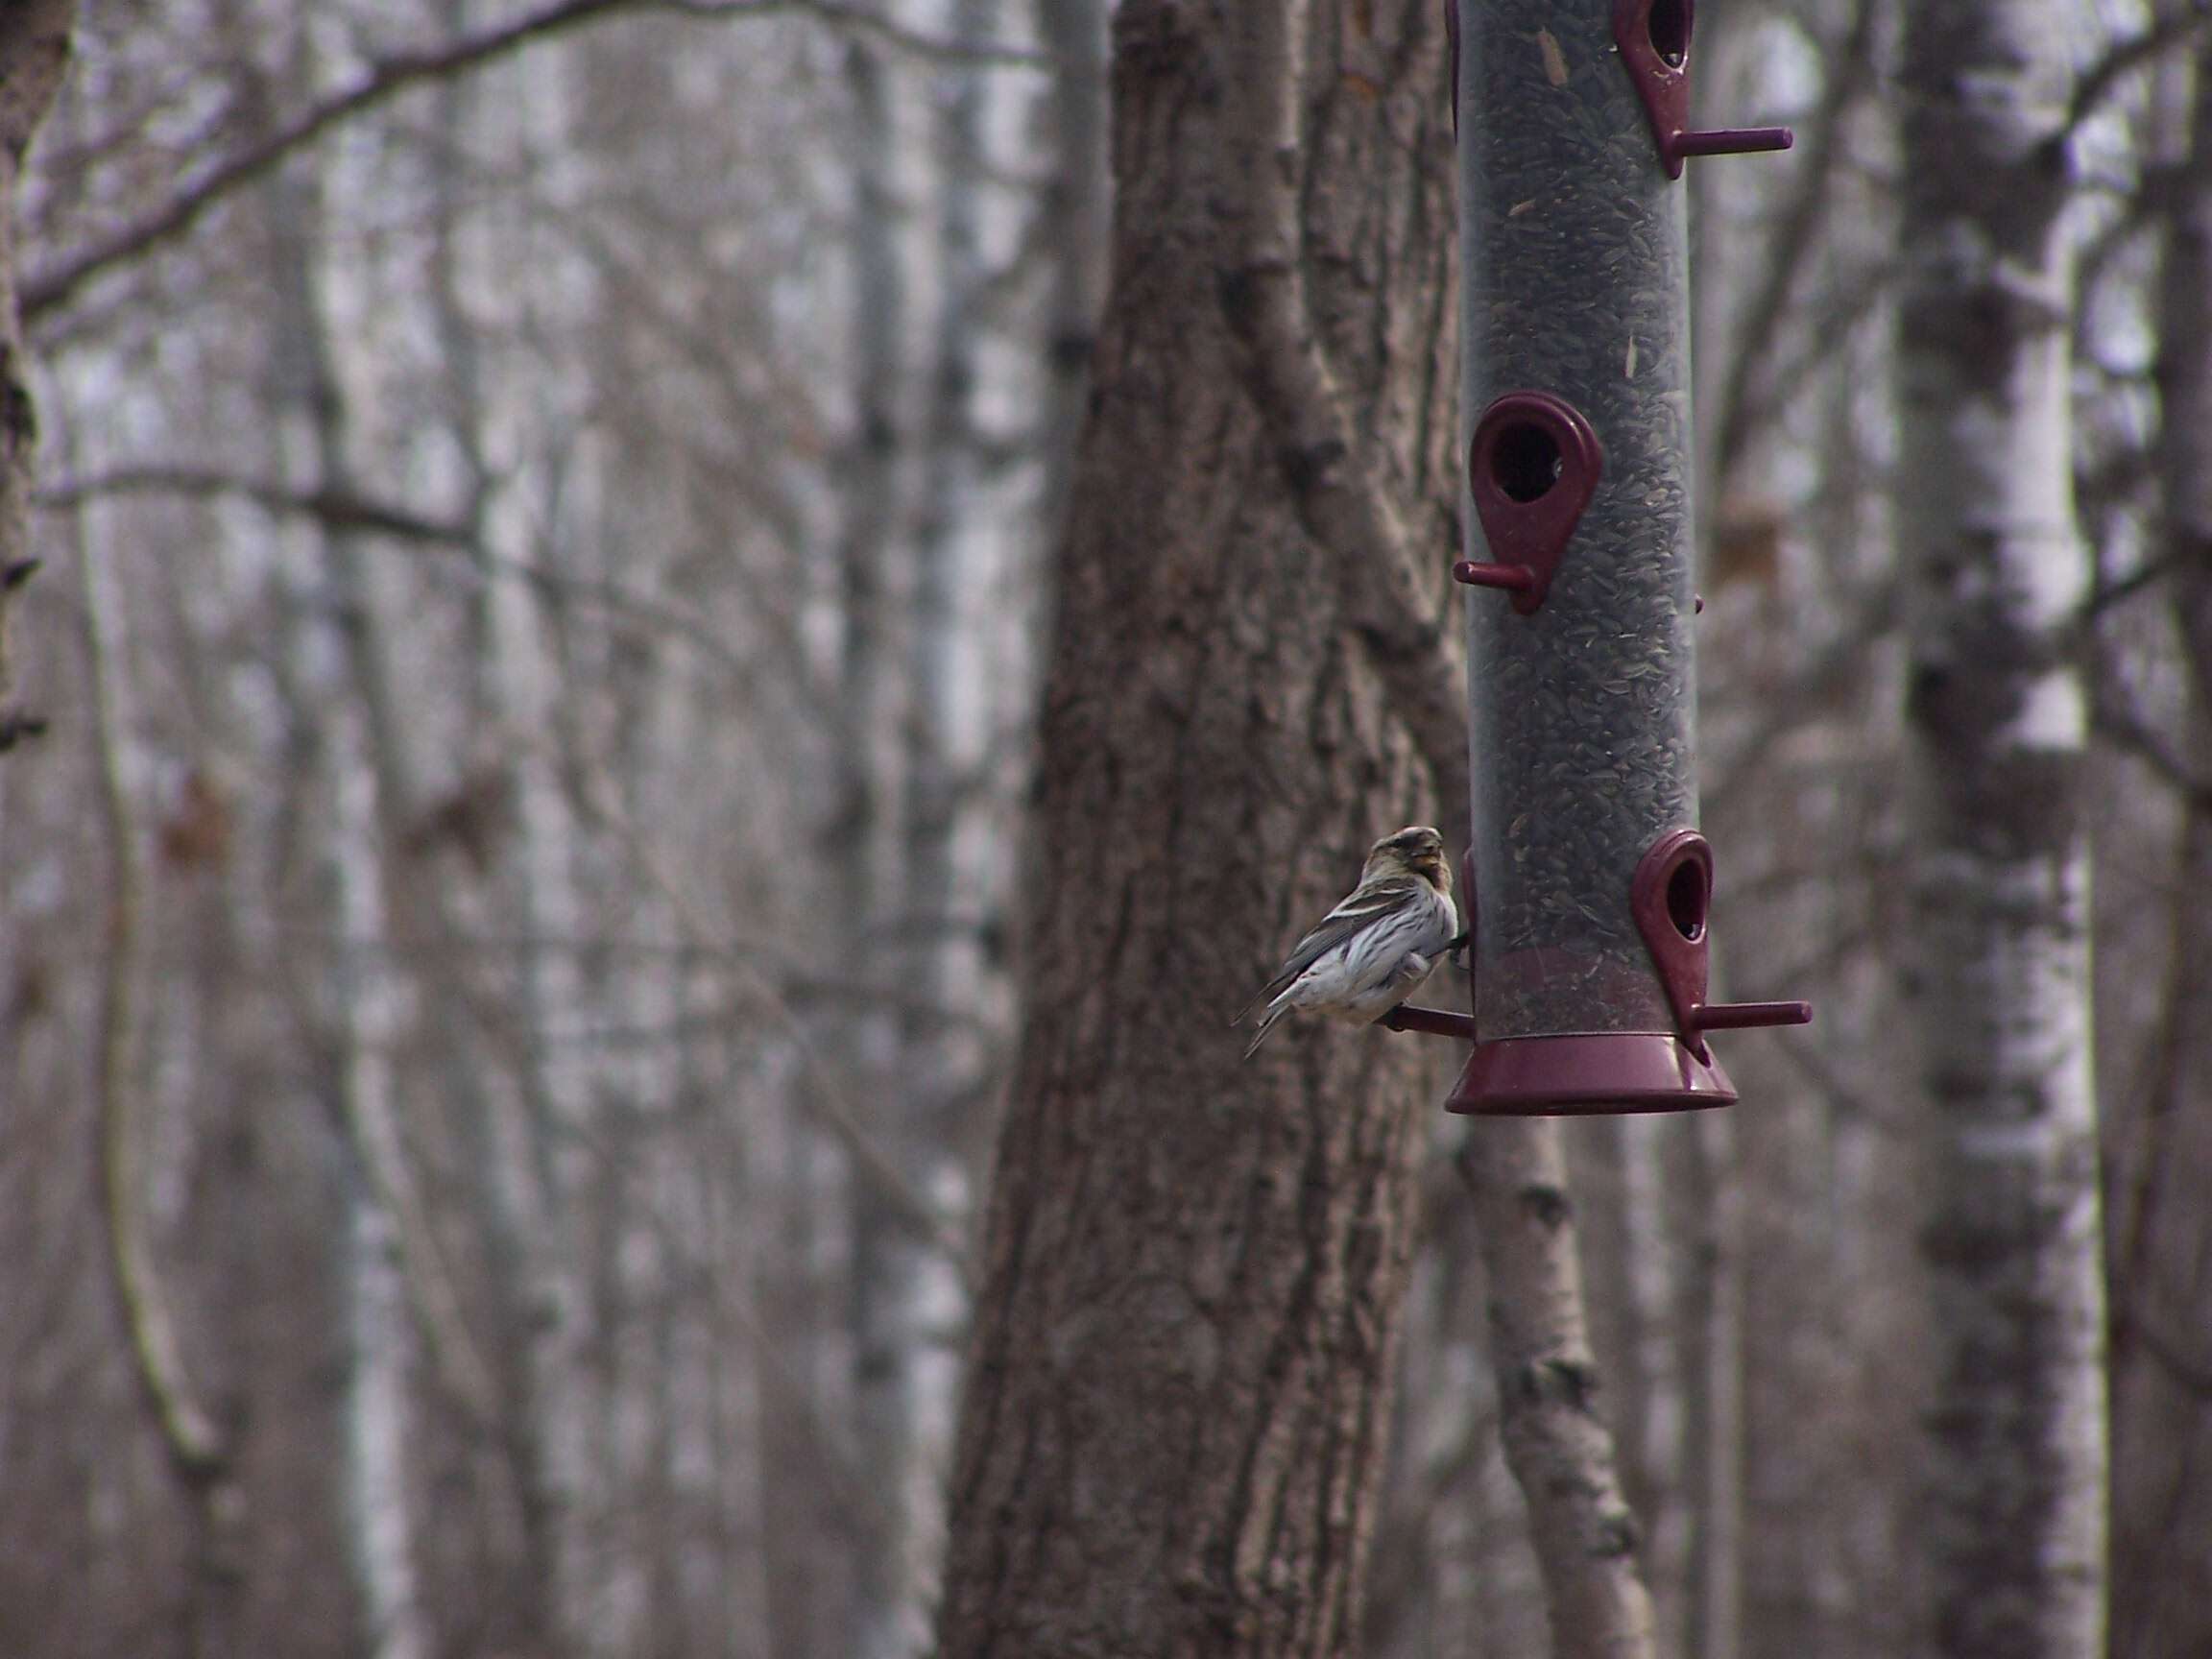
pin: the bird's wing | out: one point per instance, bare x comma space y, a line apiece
1372, 903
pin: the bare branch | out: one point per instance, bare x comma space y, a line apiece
1800, 699
2100, 78
1846, 1101
335, 507
2119, 722
828, 1099
195, 1446
1790, 249
429, 1282
342, 508
2110, 592
386, 77
2186, 1370
2154, 197
861, 22
1847, 300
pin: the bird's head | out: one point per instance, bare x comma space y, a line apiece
1414, 851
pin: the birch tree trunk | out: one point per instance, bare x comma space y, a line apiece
908, 1293
497, 1107
354, 1011
1172, 1427
1997, 973
869, 854
1559, 1450
1713, 1428
1650, 1402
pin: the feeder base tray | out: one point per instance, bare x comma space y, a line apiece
1588, 1076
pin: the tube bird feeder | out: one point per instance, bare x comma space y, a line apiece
1587, 884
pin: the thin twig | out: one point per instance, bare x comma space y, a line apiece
335, 508
828, 1099
871, 24
1792, 705
386, 77
2152, 198
195, 1445
349, 510
2183, 1368
1796, 234
1848, 299
2100, 78
2116, 719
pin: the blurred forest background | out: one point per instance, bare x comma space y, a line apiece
508, 955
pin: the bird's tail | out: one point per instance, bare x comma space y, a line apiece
1267, 994
1267, 1024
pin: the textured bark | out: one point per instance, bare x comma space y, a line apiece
1073, 215
1559, 1450
1712, 1396
1173, 1422
1998, 971
2161, 1235
1624, 1209
33, 52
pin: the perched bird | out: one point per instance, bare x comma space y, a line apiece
1369, 953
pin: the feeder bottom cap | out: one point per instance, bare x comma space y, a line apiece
1587, 1074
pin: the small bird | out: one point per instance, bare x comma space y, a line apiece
1373, 950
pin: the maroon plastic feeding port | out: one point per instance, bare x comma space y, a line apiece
1532, 467
1615, 1072
1673, 889
1654, 40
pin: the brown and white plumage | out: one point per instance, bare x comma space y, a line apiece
1373, 950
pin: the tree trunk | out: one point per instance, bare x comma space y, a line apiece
1711, 1405
356, 1016
1172, 1427
1561, 1452
1074, 222
496, 1106
2161, 1239
1998, 972
33, 52
908, 1291
883, 1615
